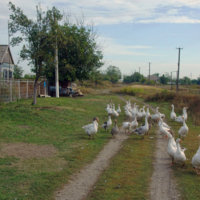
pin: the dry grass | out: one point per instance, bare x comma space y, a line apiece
179, 100
137, 90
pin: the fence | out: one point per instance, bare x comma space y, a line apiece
11, 90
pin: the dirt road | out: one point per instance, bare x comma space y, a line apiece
163, 186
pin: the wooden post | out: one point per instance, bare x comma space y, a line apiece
27, 90
10, 88
19, 88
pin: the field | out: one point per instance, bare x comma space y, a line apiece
42, 146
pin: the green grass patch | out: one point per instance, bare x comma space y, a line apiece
52, 122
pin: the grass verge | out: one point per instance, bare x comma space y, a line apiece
54, 123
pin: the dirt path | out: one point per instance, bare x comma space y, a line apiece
82, 183
162, 184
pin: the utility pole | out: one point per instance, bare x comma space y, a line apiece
56, 65
179, 52
149, 72
9, 63
139, 69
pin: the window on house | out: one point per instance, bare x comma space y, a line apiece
10, 74
5, 73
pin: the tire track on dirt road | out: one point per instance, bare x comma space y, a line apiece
163, 185
82, 183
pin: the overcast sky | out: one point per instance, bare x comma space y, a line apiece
133, 32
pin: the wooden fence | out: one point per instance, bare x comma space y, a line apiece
11, 90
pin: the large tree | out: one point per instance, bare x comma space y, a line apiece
18, 72
79, 57
114, 73
39, 36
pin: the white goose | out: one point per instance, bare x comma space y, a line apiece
127, 126
171, 148
196, 159
109, 109
119, 109
148, 113
92, 130
183, 130
173, 114
114, 111
179, 156
143, 113
164, 124
156, 116
163, 130
179, 118
95, 119
107, 124
134, 123
142, 129
140, 114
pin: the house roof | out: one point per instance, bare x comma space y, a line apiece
153, 78
4, 57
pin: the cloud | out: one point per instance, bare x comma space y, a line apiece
111, 48
172, 19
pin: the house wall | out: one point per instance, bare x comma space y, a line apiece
5, 68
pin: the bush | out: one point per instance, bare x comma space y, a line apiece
179, 101
129, 90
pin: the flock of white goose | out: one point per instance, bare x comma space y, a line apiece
174, 149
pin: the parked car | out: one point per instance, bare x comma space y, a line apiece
62, 91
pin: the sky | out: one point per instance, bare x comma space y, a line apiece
133, 33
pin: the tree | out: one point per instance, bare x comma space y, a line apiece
39, 36
29, 76
114, 73
198, 81
96, 77
18, 71
163, 79
79, 57
135, 77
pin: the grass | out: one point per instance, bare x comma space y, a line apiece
179, 100
128, 175
187, 179
56, 123
137, 90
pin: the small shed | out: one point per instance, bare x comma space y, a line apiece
6, 62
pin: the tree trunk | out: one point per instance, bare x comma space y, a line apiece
34, 94
35, 91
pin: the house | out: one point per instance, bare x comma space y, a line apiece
6, 62
153, 78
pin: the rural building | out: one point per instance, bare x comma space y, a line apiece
6, 62
153, 78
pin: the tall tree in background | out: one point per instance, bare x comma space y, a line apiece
80, 57
39, 36
18, 72
114, 73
